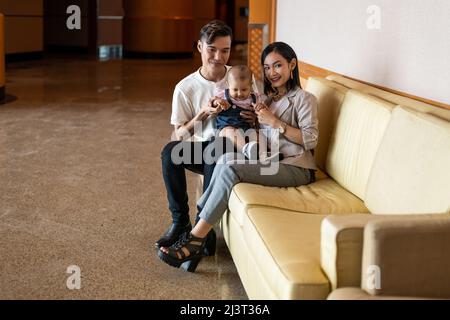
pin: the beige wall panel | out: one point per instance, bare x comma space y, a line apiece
23, 34
22, 7
409, 52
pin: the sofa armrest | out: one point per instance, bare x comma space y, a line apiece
341, 248
411, 255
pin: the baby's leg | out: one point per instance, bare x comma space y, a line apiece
235, 135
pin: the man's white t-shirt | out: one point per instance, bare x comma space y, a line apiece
189, 96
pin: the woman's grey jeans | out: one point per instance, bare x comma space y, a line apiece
214, 201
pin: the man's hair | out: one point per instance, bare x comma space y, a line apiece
214, 29
241, 73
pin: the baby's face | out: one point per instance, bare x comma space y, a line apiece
239, 89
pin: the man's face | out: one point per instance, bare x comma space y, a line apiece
215, 55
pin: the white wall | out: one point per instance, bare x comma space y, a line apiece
409, 53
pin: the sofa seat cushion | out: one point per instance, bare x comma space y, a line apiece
324, 196
286, 248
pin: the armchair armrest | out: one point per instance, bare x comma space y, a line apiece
341, 248
412, 254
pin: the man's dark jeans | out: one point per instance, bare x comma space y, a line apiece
175, 175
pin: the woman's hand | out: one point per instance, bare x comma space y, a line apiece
265, 116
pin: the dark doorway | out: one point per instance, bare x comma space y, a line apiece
58, 38
235, 14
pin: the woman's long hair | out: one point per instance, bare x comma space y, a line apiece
288, 53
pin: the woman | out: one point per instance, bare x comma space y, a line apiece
292, 114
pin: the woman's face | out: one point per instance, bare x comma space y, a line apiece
277, 69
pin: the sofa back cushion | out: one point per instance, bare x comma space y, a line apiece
411, 172
329, 96
359, 129
391, 97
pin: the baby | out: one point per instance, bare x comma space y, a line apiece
236, 98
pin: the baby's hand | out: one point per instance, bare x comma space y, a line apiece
221, 103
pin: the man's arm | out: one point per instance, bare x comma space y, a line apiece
186, 130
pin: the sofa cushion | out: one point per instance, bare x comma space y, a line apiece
410, 173
360, 294
391, 97
256, 287
329, 96
321, 197
288, 253
359, 129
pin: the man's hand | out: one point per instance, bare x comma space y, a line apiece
209, 109
249, 117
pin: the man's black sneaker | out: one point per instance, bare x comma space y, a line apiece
172, 235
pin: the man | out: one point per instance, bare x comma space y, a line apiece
191, 106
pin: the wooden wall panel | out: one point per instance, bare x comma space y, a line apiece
22, 7
240, 22
23, 25
2, 60
159, 26
109, 32
110, 22
264, 12
110, 8
204, 11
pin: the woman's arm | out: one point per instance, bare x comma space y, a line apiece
307, 133
308, 121
292, 134
265, 116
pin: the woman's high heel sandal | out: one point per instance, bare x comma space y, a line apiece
177, 257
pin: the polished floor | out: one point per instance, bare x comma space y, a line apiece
81, 184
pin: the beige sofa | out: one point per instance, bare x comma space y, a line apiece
375, 224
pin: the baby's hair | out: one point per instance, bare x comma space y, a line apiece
241, 73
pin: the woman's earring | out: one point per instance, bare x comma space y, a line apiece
292, 74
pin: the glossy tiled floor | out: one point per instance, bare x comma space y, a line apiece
81, 183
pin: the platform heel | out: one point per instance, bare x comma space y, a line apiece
176, 256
